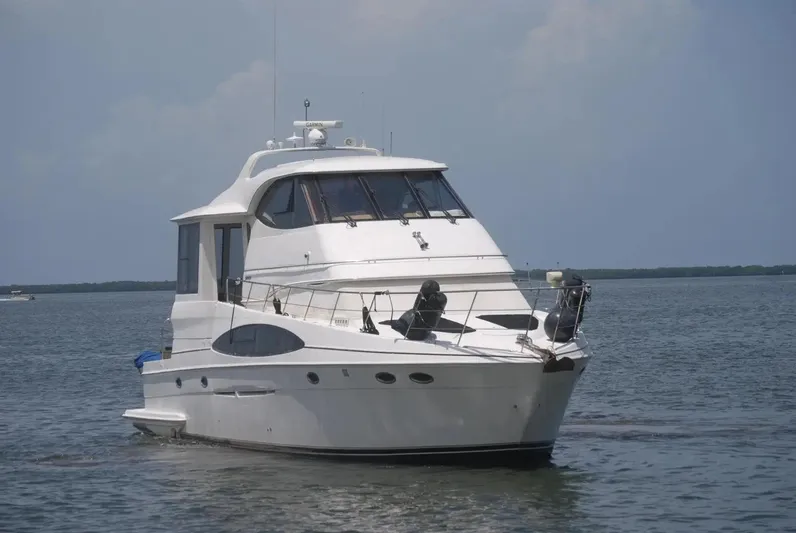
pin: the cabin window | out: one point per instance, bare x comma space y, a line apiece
229, 261
257, 340
343, 196
436, 195
284, 205
393, 195
301, 201
188, 259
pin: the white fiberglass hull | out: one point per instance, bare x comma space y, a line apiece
499, 411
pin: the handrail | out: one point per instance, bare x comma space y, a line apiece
273, 289
398, 293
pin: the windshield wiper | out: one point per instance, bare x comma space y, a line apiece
372, 194
350, 221
421, 192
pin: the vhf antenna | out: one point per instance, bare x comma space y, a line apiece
274, 76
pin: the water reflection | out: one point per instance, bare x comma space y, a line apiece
236, 489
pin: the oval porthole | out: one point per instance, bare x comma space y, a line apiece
204, 381
313, 378
385, 377
179, 383
421, 377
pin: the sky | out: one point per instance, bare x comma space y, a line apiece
595, 134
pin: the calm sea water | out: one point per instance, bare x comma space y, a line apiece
683, 422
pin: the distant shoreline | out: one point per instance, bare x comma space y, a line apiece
536, 274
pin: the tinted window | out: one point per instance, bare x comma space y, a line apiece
393, 195
229, 258
188, 259
257, 340
435, 194
284, 205
343, 195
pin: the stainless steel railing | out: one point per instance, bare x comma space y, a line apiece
256, 295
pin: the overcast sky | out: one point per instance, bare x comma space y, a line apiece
595, 133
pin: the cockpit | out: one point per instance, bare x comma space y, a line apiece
305, 200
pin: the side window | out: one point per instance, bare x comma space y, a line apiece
188, 259
284, 206
257, 340
435, 194
343, 196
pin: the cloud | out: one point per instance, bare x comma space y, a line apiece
586, 79
580, 34
170, 145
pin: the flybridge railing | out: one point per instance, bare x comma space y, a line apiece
335, 305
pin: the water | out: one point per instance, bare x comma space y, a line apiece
683, 422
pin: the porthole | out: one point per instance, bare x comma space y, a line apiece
313, 378
385, 377
179, 383
203, 381
421, 377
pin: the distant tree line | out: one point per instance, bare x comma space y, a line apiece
536, 274
107, 286
669, 272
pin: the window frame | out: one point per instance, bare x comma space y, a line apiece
189, 237
357, 176
308, 185
223, 261
438, 175
296, 185
363, 178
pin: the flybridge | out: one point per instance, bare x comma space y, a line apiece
315, 140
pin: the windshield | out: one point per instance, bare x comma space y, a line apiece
393, 195
343, 196
437, 198
301, 201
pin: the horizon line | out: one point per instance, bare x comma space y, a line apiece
791, 266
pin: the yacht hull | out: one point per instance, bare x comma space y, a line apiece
481, 412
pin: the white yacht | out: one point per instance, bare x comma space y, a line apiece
349, 304
19, 296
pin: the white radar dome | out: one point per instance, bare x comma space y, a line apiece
316, 137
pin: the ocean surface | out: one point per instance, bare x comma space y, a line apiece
684, 421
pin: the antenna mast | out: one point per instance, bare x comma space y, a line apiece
274, 76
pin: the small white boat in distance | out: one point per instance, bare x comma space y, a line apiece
19, 296
350, 305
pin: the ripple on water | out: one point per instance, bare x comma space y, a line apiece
683, 422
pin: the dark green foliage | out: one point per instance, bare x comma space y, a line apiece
536, 274
669, 272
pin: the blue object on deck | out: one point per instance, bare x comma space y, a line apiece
145, 356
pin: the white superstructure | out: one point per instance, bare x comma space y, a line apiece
349, 304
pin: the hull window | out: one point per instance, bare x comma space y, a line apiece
385, 377
421, 378
188, 259
257, 340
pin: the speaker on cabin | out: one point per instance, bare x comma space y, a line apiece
417, 323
